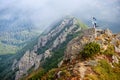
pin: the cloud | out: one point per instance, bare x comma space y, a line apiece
44, 12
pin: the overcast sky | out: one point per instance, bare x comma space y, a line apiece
44, 12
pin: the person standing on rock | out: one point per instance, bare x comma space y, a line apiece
94, 22
94, 25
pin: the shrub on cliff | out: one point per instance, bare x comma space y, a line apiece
90, 49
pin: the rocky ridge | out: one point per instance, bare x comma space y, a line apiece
75, 68
32, 59
102, 37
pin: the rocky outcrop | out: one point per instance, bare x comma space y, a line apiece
62, 37
47, 54
64, 24
14, 65
76, 45
28, 60
115, 59
117, 49
80, 68
102, 37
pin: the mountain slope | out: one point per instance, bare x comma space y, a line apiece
46, 47
68, 51
89, 57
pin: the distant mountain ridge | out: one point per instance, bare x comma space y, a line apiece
14, 34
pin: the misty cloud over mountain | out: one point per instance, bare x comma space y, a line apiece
41, 13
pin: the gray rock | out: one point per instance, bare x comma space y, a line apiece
59, 74
35, 48
14, 65
115, 59
91, 63
28, 60
117, 49
47, 54
108, 32
61, 62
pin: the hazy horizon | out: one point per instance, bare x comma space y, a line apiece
43, 12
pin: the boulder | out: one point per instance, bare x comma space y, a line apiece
117, 49
91, 63
115, 59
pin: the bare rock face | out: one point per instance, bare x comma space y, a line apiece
35, 48
67, 25
28, 60
42, 41
14, 65
47, 54
62, 37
